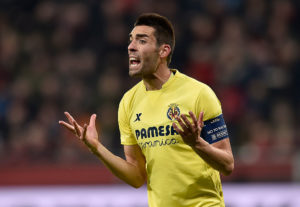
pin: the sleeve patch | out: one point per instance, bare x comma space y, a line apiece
214, 130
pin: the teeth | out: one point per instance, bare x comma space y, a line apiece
132, 59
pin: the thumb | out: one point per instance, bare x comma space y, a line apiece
93, 120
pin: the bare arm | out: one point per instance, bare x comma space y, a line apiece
132, 170
218, 155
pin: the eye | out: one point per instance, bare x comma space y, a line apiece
142, 41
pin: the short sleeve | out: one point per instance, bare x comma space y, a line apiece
215, 128
208, 103
127, 138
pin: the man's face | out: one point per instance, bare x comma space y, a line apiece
143, 51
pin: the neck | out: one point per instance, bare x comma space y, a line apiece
157, 79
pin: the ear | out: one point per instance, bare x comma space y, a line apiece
164, 51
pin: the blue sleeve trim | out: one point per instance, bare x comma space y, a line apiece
214, 130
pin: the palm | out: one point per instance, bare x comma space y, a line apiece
190, 132
91, 137
88, 133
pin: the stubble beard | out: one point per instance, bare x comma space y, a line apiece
135, 72
147, 68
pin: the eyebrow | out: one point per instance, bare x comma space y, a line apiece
139, 35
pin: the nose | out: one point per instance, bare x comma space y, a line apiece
132, 46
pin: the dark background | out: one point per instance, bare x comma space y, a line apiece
58, 56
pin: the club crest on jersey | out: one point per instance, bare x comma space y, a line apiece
173, 111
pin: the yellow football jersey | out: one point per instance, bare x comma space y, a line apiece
177, 176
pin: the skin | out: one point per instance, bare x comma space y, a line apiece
153, 67
153, 70
218, 155
132, 170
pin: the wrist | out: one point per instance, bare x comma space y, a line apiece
201, 144
96, 148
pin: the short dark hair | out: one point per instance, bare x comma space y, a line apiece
164, 31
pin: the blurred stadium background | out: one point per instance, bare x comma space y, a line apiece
63, 55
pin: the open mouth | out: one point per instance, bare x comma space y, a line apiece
134, 61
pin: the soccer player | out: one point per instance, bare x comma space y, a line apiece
171, 126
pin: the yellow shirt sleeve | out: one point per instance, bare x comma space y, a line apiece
208, 103
127, 138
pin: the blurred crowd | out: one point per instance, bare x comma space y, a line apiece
58, 56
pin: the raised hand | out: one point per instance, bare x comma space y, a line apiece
190, 132
88, 133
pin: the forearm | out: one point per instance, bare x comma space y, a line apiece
132, 170
126, 171
219, 159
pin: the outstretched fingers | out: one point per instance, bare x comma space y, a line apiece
67, 126
178, 129
188, 124
194, 119
200, 120
77, 130
69, 117
182, 124
93, 120
197, 122
83, 137
86, 133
